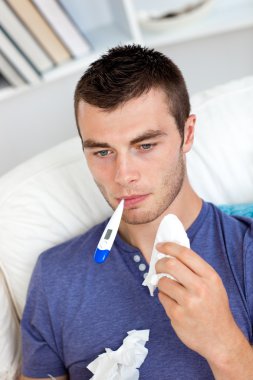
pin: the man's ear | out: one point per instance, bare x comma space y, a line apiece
189, 130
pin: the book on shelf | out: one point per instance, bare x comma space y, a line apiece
9, 72
23, 39
74, 9
5, 87
63, 26
3, 81
39, 28
17, 60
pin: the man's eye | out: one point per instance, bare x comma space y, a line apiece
102, 153
146, 146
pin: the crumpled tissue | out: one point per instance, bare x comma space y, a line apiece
169, 230
123, 363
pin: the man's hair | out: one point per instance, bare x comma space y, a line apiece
127, 72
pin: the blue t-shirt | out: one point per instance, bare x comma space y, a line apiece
76, 308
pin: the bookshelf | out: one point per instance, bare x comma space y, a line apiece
30, 108
106, 23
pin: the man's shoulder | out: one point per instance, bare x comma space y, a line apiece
233, 223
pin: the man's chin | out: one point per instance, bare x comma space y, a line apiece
137, 216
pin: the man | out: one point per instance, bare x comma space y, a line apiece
133, 116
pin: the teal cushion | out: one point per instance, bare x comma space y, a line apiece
244, 209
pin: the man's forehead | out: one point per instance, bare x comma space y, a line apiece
127, 122
83, 107
150, 98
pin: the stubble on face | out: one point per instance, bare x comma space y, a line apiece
162, 196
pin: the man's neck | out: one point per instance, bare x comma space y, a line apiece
186, 207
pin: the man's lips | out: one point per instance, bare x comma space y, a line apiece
132, 200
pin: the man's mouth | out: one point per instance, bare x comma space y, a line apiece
132, 200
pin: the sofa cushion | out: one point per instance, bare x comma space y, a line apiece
220, 164
9, 331
245, 209
43, 202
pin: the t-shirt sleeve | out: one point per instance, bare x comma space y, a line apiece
248, 273
40, 354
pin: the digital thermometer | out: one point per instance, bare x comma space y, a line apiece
108, 236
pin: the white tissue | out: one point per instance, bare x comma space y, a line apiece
169, 230
123, 363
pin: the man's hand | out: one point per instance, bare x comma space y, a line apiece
198, 307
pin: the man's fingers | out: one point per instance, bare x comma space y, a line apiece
189, 258
171, 307
184, 275
172, 289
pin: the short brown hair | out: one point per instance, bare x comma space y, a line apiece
126, 72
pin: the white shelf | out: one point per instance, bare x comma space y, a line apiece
221, 18
9, 92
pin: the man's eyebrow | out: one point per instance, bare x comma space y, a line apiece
150, 134
94, 144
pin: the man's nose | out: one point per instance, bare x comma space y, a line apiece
126, 171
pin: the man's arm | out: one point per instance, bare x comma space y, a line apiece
40, 355
199, 310
237, 367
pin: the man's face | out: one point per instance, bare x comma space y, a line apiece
135, 153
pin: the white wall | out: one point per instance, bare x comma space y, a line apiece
41, 117
35, 120
210, 61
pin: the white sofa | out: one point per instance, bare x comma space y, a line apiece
52, 197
